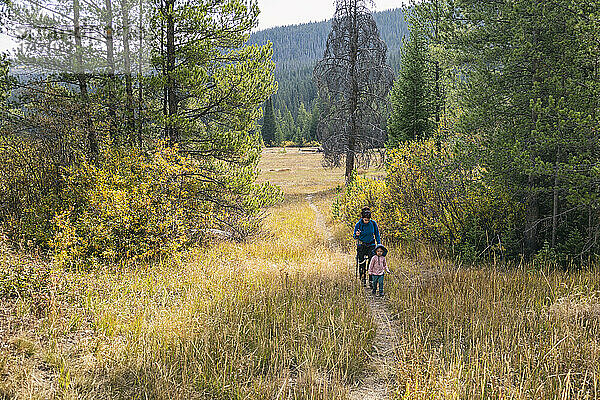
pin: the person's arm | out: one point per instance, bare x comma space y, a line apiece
356, 231
376, 229
386, 266
371, 264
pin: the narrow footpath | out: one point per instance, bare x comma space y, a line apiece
375, 384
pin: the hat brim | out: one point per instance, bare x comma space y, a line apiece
380, 246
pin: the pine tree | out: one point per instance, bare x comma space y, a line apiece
212, 87
412, 115
269, 128
314, 122
86, 45
303, 123
529, 92
4, 87
298, 47
431, 18
286, 125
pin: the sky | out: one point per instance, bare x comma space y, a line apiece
289, 12
281, 12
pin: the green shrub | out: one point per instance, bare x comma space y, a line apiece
358, 193
436, 199
31, 190
429, 197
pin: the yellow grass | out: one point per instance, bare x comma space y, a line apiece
298, 172
281, 317
492, 332
278, 316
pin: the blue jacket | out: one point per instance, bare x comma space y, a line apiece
367, 231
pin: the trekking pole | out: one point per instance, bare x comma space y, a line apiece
356, 272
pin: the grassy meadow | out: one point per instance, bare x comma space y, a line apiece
276, 317
280, 317
492, 332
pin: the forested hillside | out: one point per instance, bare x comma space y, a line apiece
297, 48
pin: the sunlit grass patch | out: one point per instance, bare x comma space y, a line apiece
258, 312
487, 333
274, 316
298, 172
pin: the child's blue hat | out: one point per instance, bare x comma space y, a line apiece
380, 246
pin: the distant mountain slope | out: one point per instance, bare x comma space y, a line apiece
296, 49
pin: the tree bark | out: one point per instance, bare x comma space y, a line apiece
140, 120
555, 201
438, 94
110, 62
353, 134
127, 67
82, 81
532, 203
172, 132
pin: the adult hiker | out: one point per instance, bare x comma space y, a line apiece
367, 237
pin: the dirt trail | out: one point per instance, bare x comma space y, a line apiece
374, 385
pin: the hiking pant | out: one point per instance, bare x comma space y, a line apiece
377, 280
364, 251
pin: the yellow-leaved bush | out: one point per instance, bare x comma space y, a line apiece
429, 196
138, 206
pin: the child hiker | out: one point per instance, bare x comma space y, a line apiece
378, 267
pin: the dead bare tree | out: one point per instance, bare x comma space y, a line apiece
353, 80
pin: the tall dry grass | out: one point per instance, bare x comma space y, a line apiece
274, 318
491, 332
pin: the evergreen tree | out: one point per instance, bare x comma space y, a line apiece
297, 48
314, 123
87, 46
212, 87
303, 124
279, 132
412, 115
4, 87
431, 18
529, 92
286, 125
269, 128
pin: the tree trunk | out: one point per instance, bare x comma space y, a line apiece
532, 211
350, 158
127, 67
438, 94
532, 203
353, 134
82, 80
555, 202
140, 77
172, 132
110, 61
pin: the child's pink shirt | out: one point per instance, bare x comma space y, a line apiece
378, 265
